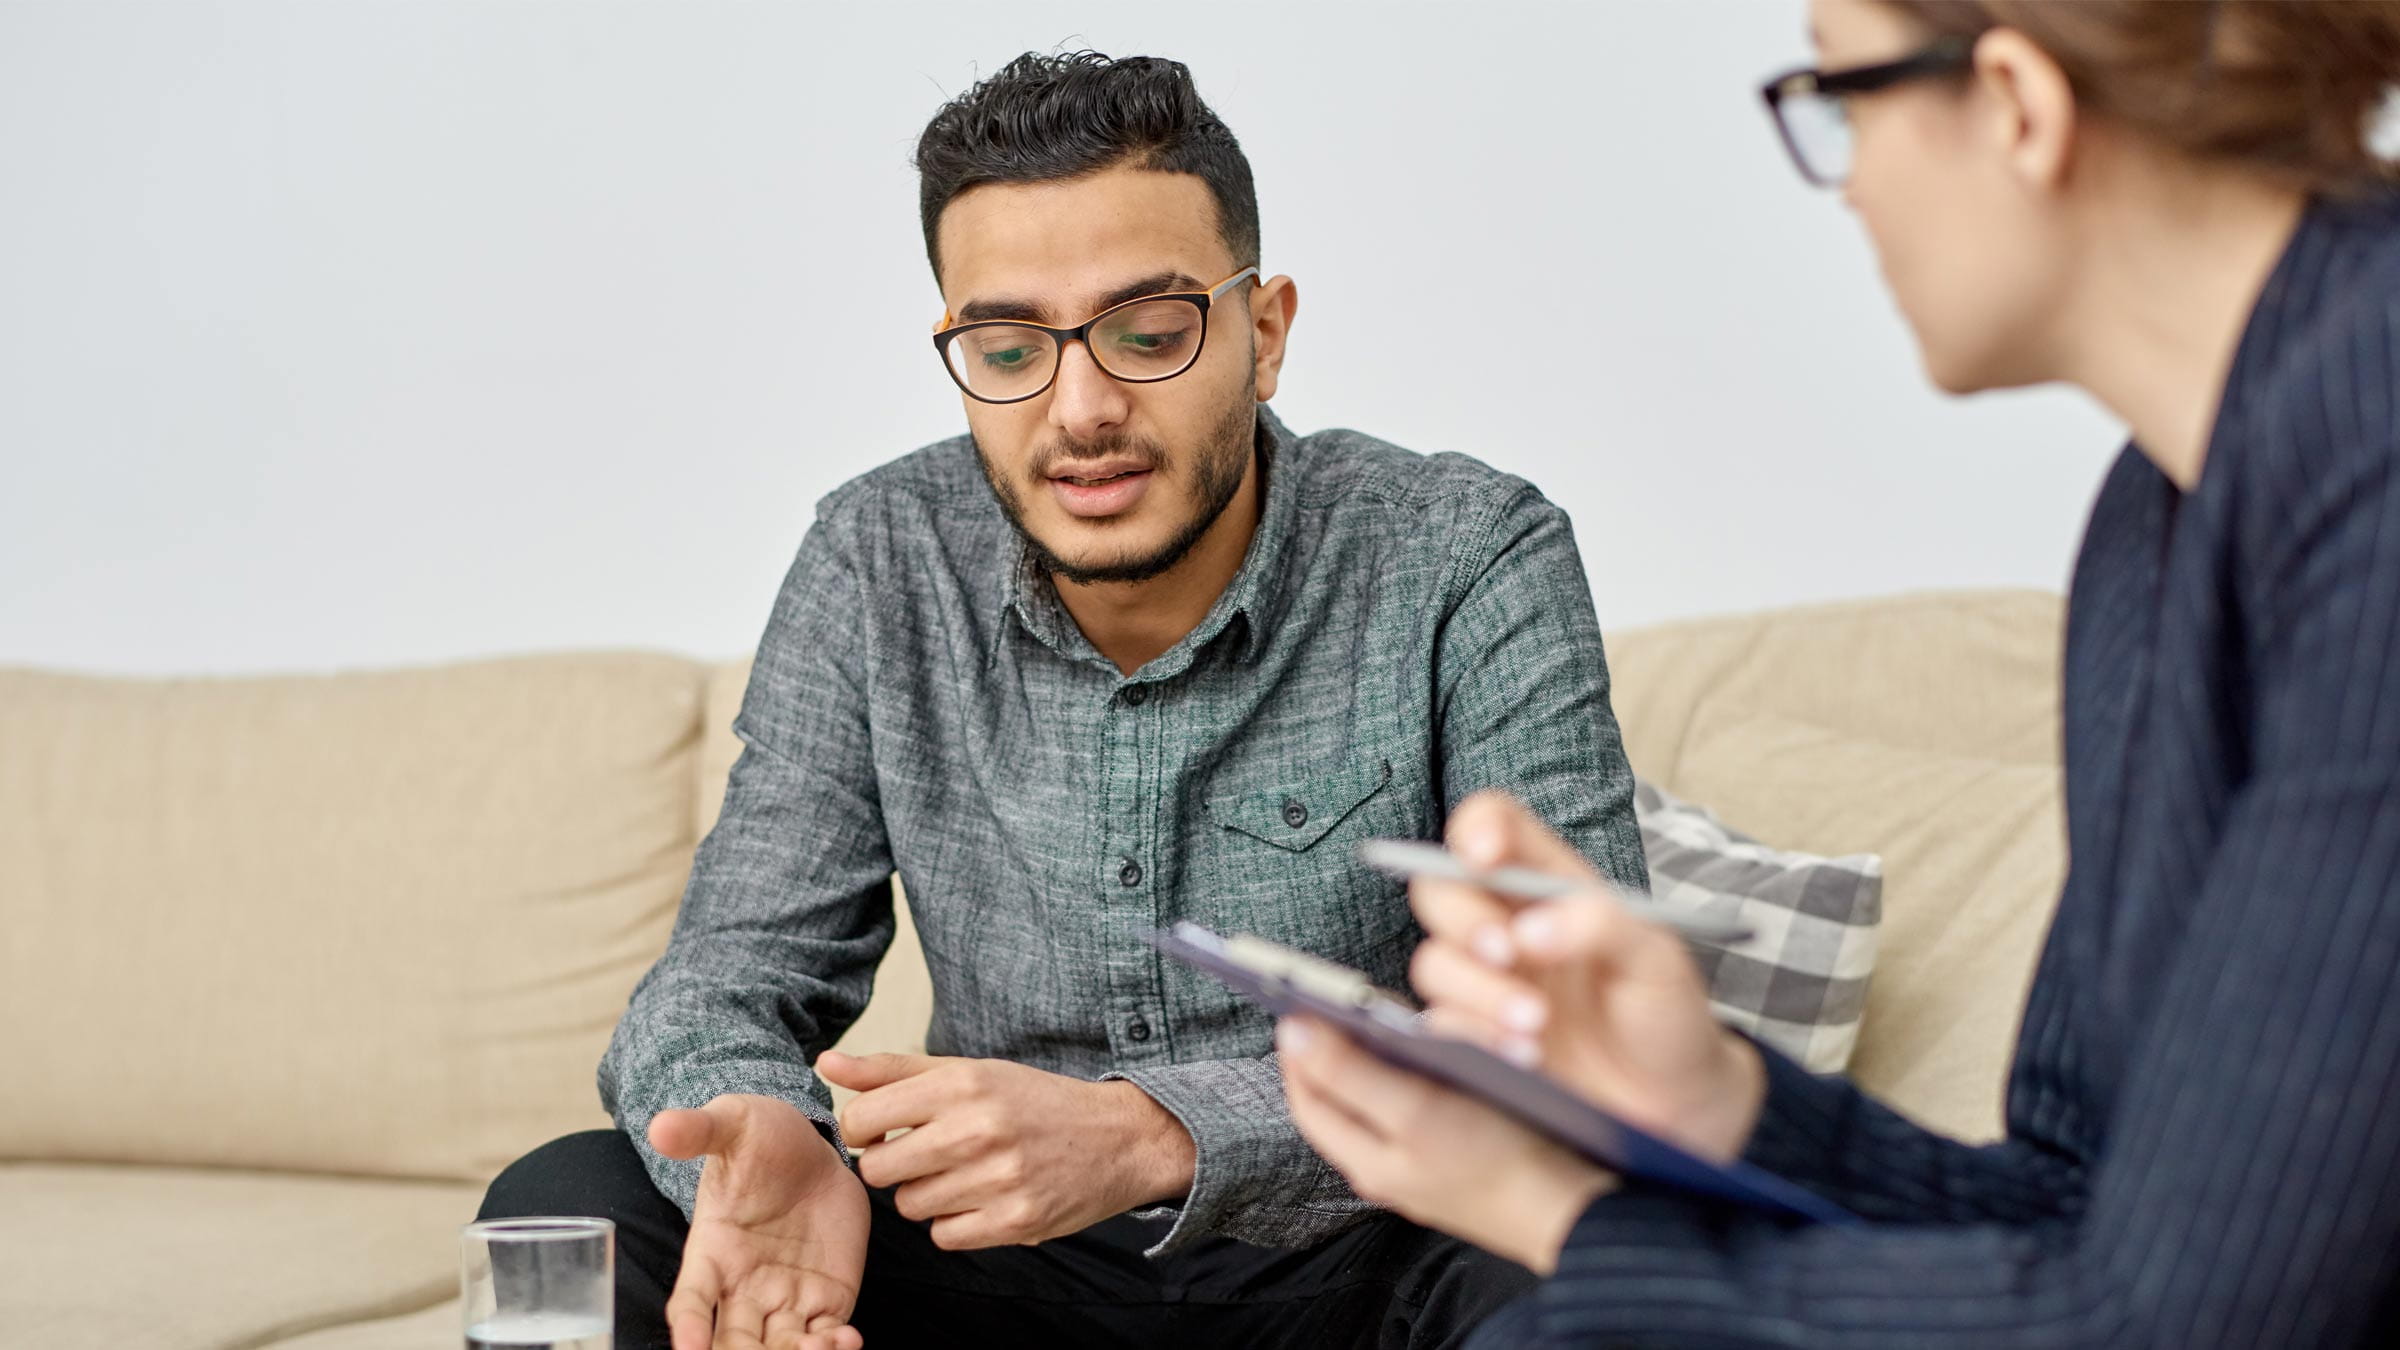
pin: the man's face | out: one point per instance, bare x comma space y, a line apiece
1108, 481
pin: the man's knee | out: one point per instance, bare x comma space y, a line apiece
595, 1173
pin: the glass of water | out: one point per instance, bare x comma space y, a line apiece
539, 1284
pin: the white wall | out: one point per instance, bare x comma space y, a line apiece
350, 333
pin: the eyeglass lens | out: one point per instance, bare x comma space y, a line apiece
1820, 130
1146, 340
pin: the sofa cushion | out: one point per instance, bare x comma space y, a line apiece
1799, 982
434, 1328
140, 1258
1974, 854
373, 923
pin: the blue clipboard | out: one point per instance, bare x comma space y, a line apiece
1388, 1028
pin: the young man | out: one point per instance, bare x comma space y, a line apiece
1131, 652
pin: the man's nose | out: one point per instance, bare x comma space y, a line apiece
1084, 400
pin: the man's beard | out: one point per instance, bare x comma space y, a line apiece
1217, 467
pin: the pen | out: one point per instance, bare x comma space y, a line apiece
1408, 858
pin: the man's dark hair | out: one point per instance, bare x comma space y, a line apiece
1050, 116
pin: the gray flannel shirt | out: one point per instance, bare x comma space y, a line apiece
1405, 630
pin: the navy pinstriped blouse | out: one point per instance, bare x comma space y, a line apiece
2203, 1140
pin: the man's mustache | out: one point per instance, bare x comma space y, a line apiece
1060, 458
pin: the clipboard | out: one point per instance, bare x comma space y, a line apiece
1285, 981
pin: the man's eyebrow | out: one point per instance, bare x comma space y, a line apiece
1157, 283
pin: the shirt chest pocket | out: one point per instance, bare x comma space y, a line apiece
1296, 818
1286, 866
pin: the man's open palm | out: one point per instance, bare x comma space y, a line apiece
779, 1230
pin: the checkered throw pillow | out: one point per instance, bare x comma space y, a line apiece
1800, 982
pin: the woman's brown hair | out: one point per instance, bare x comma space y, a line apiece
2289, 87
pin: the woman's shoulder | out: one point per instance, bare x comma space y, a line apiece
2309, 439
2324, 393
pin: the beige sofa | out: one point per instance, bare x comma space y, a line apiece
289, 966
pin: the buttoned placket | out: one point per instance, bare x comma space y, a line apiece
1131, 738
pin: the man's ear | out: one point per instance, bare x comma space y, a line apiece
1272, 306
2033, 120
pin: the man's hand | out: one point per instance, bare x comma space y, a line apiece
779, 1233
996, 1153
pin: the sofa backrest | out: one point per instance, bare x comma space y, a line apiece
1923, 728
378, 924
383, 923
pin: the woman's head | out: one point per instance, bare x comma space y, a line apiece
1989, 186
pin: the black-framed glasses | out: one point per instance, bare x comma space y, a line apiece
1810, 106
1142, 341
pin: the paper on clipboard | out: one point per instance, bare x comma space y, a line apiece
1285, 981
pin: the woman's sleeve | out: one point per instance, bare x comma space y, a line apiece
2248, 1191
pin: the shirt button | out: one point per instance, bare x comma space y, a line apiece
1137, 695
1138, 1029
1294, 814
1130, 874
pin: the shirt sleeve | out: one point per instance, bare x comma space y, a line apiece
789, 905
1821, 1132
1254, 1176
1521, 687
2248, 1192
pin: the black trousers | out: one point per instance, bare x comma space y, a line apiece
1383, 1285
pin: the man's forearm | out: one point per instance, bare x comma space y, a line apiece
1159, 1157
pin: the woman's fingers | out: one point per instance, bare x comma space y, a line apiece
1523, 1051
1385, 1098
1458, 912
1487, 1006
1594, 932
1346, 1140
1493, 829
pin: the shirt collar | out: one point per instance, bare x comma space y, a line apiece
1255, 595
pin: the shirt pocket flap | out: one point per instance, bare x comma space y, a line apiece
1296, 817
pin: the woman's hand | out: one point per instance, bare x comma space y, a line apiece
1437, 1156
1607, 1003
